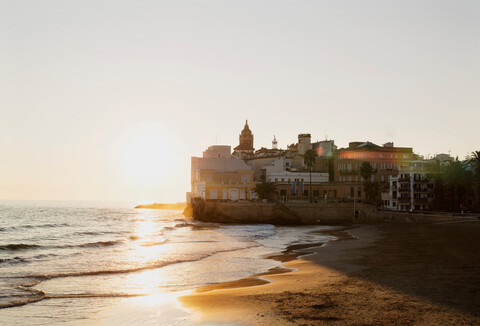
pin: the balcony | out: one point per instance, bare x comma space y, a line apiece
404, 199
420, 190
420, 201
404, 179
420, 180
404, 189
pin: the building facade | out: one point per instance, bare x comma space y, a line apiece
386, 161
220, 176
411, 189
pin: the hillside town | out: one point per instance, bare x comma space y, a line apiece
392, 178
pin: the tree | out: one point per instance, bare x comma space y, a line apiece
436, 172
474, 162
458, 178
309, 158
371, 188
266, 190
366, 171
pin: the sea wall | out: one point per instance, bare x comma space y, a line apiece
303, 213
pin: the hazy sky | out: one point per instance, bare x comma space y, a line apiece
109, 99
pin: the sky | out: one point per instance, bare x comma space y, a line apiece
108, 100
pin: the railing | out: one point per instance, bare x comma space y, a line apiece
420, 180
420, 200
404, 179
419, 190
404, 199
404, 189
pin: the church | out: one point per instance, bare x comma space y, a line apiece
245, 146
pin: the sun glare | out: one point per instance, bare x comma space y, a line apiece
146, 154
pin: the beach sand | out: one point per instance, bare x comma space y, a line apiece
387, 274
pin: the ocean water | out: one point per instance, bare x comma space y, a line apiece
66, 262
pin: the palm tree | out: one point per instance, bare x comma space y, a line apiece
372, 191
366, 171
309, 158
371, 188
458, 178
474, 162
436, 172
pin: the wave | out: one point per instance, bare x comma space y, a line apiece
24, 246
14, 260
39, 295
18, 246
97, 244
33, 226
99, 232
191, 225
151, 244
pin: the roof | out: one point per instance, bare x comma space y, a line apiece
244, 147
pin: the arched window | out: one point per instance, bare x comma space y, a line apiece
245, 178
213, 193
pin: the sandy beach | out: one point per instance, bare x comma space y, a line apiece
388, 274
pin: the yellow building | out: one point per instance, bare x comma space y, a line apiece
220, 176
234, 186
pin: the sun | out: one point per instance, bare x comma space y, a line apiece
147, 154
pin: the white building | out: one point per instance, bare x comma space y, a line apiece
411, 189
289, 176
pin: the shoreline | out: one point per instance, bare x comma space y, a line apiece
383, 274
291, 253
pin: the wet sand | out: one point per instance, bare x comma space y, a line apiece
374, 275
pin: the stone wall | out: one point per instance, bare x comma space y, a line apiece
302, 213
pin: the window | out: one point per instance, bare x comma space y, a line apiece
305, 193
283, 192
359, 192
382, 178
316, 193
245, 178
213, 193
208, 177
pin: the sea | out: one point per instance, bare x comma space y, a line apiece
77, 262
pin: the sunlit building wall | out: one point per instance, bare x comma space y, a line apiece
385, 160
219, 175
